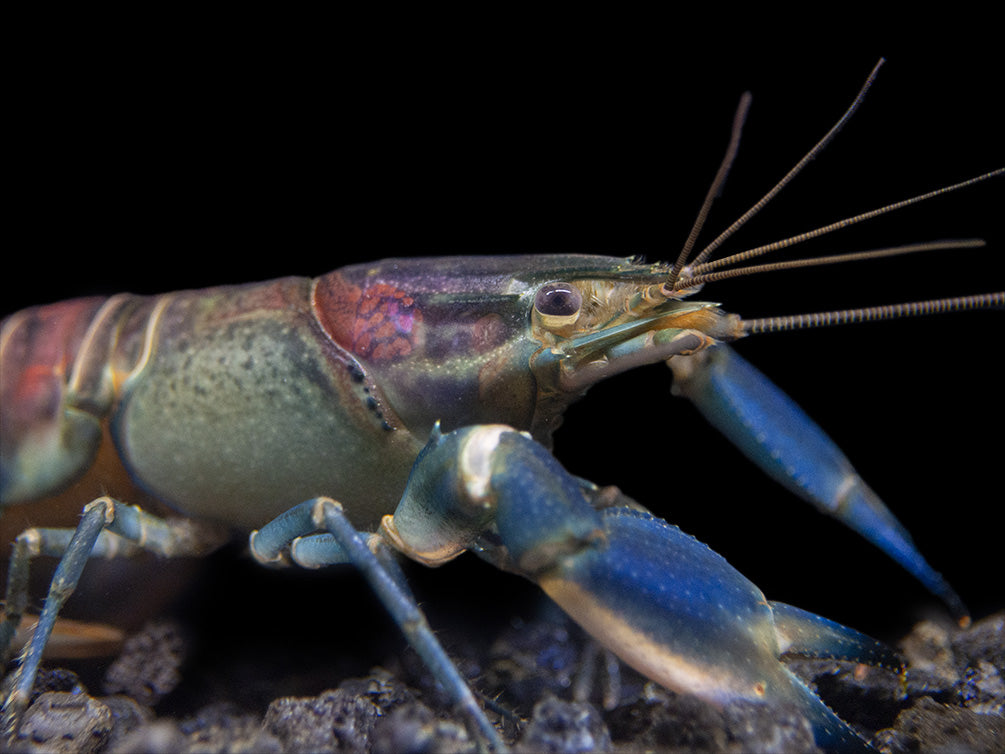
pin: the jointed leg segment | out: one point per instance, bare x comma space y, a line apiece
107, 528
342, 543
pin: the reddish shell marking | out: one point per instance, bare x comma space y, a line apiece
378, 323
38, 352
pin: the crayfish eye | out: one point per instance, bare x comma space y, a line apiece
558, 304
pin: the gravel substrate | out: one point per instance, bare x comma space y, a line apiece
551, 692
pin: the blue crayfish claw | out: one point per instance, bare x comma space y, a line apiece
677, 612
662, 601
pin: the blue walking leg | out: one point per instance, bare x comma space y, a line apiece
293, 530
107, 528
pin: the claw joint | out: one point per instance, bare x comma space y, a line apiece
545, 556
431, 558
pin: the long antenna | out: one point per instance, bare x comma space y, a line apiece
875, 313
713, 191
743, 256
856, 256
816, 149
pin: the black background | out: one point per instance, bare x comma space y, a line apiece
152, 162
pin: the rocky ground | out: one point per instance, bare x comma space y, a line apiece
533, 672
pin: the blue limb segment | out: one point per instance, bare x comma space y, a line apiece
63, 583
773, 432
810, 635
107, 528
679, 613
341, 543
318, 551
660, 600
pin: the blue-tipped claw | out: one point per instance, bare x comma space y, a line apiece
661, 600
777, 435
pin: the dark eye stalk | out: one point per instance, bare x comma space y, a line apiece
558, 304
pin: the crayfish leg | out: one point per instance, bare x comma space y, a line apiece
666, 604
772, 431
677, 612
292, 536
107, 528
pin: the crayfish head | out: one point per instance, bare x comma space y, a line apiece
600, 324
